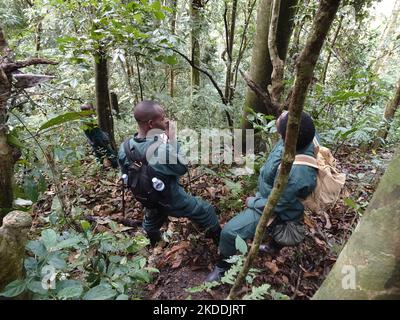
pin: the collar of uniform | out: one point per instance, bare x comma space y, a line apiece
147, 138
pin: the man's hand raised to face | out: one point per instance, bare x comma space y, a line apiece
171, 130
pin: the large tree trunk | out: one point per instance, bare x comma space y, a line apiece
261, 67
369, 265
6, 159
304, 73
104, 115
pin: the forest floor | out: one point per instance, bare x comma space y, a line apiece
186, 257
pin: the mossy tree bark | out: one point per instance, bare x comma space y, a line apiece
369, 265
304, 73
13, 237
104, 114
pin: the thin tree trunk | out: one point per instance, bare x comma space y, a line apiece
328, 59
104, 114
195, 7
390, 111
173, 30
369, 265
304, 73
231, 37
38, 37
386, 38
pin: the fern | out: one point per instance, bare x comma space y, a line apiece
258, 293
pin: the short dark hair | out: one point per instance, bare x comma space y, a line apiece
306, 130
145, 110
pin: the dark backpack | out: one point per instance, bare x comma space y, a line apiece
140, 175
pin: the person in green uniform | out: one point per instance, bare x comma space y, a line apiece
289, 210
98, 139
168, 163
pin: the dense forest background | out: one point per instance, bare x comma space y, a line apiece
194, 57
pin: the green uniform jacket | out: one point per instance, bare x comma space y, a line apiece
302, 181
168, 163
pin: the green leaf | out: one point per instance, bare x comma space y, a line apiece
122, 297
68, 243
14, 141
350, 203
70, 292
57, 262
100, 292
85, 225
66, 117
14, 288
37, 248
37, 287
49, 238
240, 245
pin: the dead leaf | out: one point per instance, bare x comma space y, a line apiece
285, 279
328, 224
272, 266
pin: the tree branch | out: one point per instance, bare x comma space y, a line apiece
271, 107
215, 84
12, 66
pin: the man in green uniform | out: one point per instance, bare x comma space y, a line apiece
169, 165
98, 139
289, 210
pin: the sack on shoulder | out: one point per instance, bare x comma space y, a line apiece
329, 180
288, 233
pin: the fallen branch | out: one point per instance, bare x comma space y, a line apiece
12, 66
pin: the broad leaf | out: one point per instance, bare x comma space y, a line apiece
100, 292
14, 288
66, 117
49, 238
240, 245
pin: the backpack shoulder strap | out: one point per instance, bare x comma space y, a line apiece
302, 159
132, 154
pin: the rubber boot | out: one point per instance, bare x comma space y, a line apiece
154, 238
221, 267
214, 235
272, 248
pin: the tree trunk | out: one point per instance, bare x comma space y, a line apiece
114, 103
261, 67
369, 265
230, 31
328, 59
383, 49
195, 8
6, 159
173, 30
104, 115
390, 111
304, 73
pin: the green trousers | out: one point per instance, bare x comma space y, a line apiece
196, 210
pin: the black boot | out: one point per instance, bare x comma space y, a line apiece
154, 238
219, 270
272, 248
214, 235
